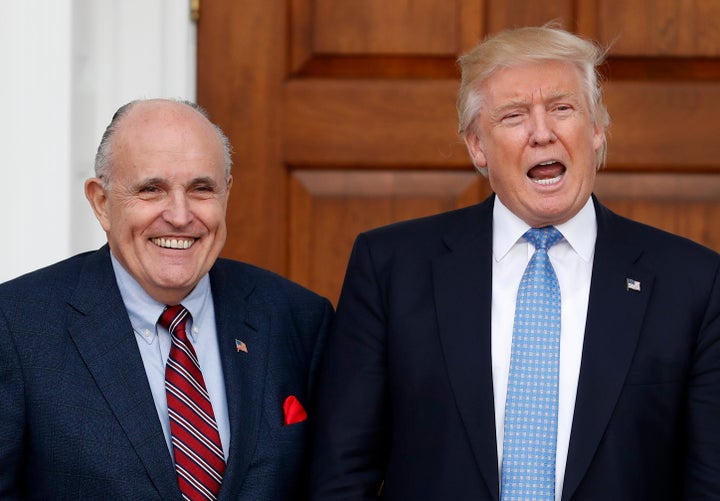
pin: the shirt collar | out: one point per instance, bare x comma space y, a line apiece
580, 231
144, 311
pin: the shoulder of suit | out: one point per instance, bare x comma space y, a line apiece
264, 281
49, 276
660, 239
436, 223
49, 289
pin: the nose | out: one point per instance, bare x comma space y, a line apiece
178, 211
541, 129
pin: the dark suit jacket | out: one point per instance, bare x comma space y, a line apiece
406, 392
77, 419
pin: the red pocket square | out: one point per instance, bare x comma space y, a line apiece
294, 412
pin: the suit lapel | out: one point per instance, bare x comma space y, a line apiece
240, 319
101, 330
462, 277
614, 319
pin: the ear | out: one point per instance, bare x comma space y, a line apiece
475, 147
98, 198
598, 137
229, 182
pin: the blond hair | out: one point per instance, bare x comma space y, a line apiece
526, 45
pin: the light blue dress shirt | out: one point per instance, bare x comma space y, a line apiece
154, 343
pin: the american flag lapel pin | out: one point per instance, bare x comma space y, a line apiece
632, 284
240, 346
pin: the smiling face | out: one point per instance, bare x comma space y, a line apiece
537, 139
163, 209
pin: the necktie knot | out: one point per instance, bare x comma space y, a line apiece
543, 238
174, 318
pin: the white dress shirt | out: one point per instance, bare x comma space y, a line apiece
154, 342
572, 259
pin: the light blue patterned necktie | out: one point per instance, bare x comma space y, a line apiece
528, 468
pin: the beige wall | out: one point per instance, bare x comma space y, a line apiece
66, 66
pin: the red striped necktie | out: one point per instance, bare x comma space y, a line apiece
199, 459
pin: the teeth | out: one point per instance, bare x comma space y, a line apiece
549, 162
551, 180
173, 243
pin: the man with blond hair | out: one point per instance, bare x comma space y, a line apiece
536, 346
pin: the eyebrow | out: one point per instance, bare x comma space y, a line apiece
515, 103
203, 180
522, 103
562, 96
147, 182
163, 181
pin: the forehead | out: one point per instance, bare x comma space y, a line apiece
166, 138
533, 81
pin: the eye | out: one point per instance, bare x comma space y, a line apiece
149, 191
203, 190
512, 118
562, 108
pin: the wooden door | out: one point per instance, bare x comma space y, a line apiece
342, 115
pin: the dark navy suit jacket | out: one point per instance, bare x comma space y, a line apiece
406, 395
77, 418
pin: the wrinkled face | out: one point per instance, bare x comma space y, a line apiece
535, 136
164, 210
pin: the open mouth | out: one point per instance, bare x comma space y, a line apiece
547, 173
173, 243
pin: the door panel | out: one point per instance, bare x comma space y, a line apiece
660, 125
342, 115
406, 123
403, 27
330, 207
646, 28
688, 205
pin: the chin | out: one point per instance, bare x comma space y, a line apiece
549, 217
176, 283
